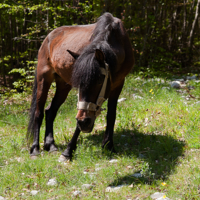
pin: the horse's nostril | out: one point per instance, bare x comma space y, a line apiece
85, 122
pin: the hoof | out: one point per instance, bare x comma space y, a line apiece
63, 159
53, 149
50, 147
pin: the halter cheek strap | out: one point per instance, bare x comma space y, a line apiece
82, 105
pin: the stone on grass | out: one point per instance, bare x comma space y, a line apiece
137, 97
2, 198
114, 188
87, 186
191, 77
137, 175
76, 193
159, 196
34, 192
113, 161
122, 99
178, 84
98, 169
52, 182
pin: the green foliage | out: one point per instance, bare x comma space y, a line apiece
159, 31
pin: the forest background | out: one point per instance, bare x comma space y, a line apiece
165, 34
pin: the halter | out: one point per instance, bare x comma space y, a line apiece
89, 106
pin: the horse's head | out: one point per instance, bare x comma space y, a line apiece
93, 81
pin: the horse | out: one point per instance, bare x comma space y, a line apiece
94, 58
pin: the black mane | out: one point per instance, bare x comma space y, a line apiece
86, 68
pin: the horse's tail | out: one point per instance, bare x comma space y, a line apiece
31, 125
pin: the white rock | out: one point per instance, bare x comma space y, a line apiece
2, 198
113, 161
52, 182
191, 77
137, 97
176, 84
113, 188
77, 193
180, 80
98, 169
87, 186
34, 192
137, 175
122, 99
159, 196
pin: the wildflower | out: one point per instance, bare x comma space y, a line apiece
163, 184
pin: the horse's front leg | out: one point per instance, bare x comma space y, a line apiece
71, 147
111, 116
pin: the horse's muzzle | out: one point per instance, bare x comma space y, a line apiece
86, 125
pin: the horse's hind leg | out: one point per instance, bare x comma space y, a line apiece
44, 80
62, 90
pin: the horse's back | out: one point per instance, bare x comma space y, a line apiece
53, 51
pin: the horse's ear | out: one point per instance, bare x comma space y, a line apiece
99, 55
73, 54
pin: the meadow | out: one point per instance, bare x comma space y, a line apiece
157, 139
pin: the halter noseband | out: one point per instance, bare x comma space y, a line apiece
89, 106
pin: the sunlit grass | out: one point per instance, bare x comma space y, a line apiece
156, 135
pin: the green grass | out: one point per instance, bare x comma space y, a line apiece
157, 136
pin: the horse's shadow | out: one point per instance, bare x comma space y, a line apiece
156, 155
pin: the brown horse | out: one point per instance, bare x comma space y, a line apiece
94, 58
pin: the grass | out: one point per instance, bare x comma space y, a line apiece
156, 135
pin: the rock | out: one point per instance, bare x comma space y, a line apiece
98, 169
122, 99
159, 196
52, 182
178, 84
2, 198
137, 175
76, 193
191, 77
113, 161
87, 186
136, 97
113, 188
180, 80
34, 192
